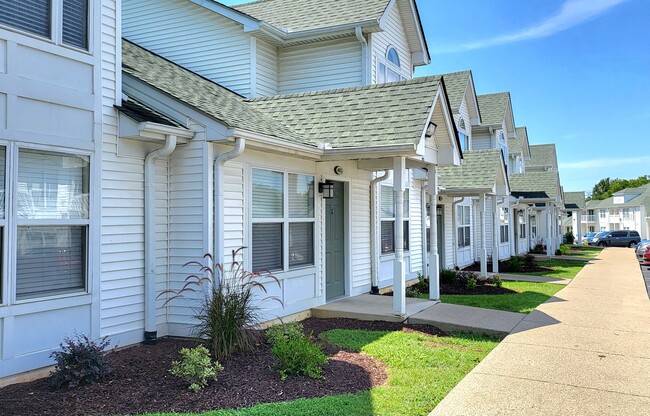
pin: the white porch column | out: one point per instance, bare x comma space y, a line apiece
512, 223
496, 232
579, 227
434, 261
549, 230
399, 266
423, 219
483, 250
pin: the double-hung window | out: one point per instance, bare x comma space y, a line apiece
522, 225
39, 17
504, 227
533, 227
283, 220
52, 221
626, 213
463, 221
388, 220
602, 213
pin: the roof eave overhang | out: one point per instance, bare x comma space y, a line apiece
265, 141
467, 192
371, 152
280, 37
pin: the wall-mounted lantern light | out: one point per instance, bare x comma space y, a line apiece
326, 189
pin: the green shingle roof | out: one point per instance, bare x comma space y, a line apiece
574, 200
516, 145
493, 107
381, 114
299, 15
456, 84
642, 200
542, 184
479, 170
200, 93
542, 155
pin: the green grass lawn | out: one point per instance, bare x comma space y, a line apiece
584, 251
529, 297
563, 269
422, 369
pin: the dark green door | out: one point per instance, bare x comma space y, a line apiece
335, 243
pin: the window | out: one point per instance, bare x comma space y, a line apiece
35, 16
533, 227
464, 141
283, 220
463, 221
592, 229
626, 213
389, 69
388, 220
522, 225
603, 213
504, 228
52, 222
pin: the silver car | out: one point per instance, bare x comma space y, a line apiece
642, 248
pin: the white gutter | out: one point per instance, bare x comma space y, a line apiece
150, 332
374, 252
219, 161
365, 79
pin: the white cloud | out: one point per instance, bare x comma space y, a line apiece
571, 14
605, 163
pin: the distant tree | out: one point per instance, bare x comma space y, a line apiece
605, 188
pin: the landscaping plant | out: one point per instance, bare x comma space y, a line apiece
196, 367
80, 361
231, 304
422, 285
496, 280
466, 279
448, 276
529, 260
514, 264
569, 237
295, 352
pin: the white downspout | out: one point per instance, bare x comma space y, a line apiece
365, 79
150, 331
374, 246
219, 161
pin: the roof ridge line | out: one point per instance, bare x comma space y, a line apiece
416, 80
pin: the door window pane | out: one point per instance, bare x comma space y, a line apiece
301, 244
267, 247
52, 186
50, 260
75, 23
268, 194
301, 196
29, 15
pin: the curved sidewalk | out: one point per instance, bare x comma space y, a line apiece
586, 351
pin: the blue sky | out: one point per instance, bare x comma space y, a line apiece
578, 72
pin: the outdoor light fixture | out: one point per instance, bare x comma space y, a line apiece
431, 129
327, 189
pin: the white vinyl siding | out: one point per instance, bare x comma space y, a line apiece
360, 222
481, 142
320, 66
394, 36
267, 69
415, 203
193, 37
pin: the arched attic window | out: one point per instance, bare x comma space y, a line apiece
389, 67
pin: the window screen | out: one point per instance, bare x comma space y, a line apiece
267, 247
32, 16
75, 23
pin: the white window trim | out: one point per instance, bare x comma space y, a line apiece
10, 228
460, 223
407, 218
285, 220
390, 66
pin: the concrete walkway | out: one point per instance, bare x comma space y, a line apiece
534, 279
586, 351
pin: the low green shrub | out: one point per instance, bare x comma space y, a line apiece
496, 280
80, 361
514, 264
412, 292
422, 285
448, 276
466, 279
471, 283
570, 238
529, 260
295, 352
564, 250
196, 367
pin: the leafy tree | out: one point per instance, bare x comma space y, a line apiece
605, 188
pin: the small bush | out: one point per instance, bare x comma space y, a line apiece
196, 367
514, 264
412, 292
295, 353
570, 238
471, 283
423, 284
529, 260
81, 361
496, 280
564, 250
448, 276
466, 279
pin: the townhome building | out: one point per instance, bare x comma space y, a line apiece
59, 82
574, 206
627, 209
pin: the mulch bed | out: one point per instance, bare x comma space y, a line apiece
141, 382
481, 289
503, 267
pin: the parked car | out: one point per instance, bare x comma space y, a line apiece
642, 248
588, 237
593, 241
622, 238
646, 258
